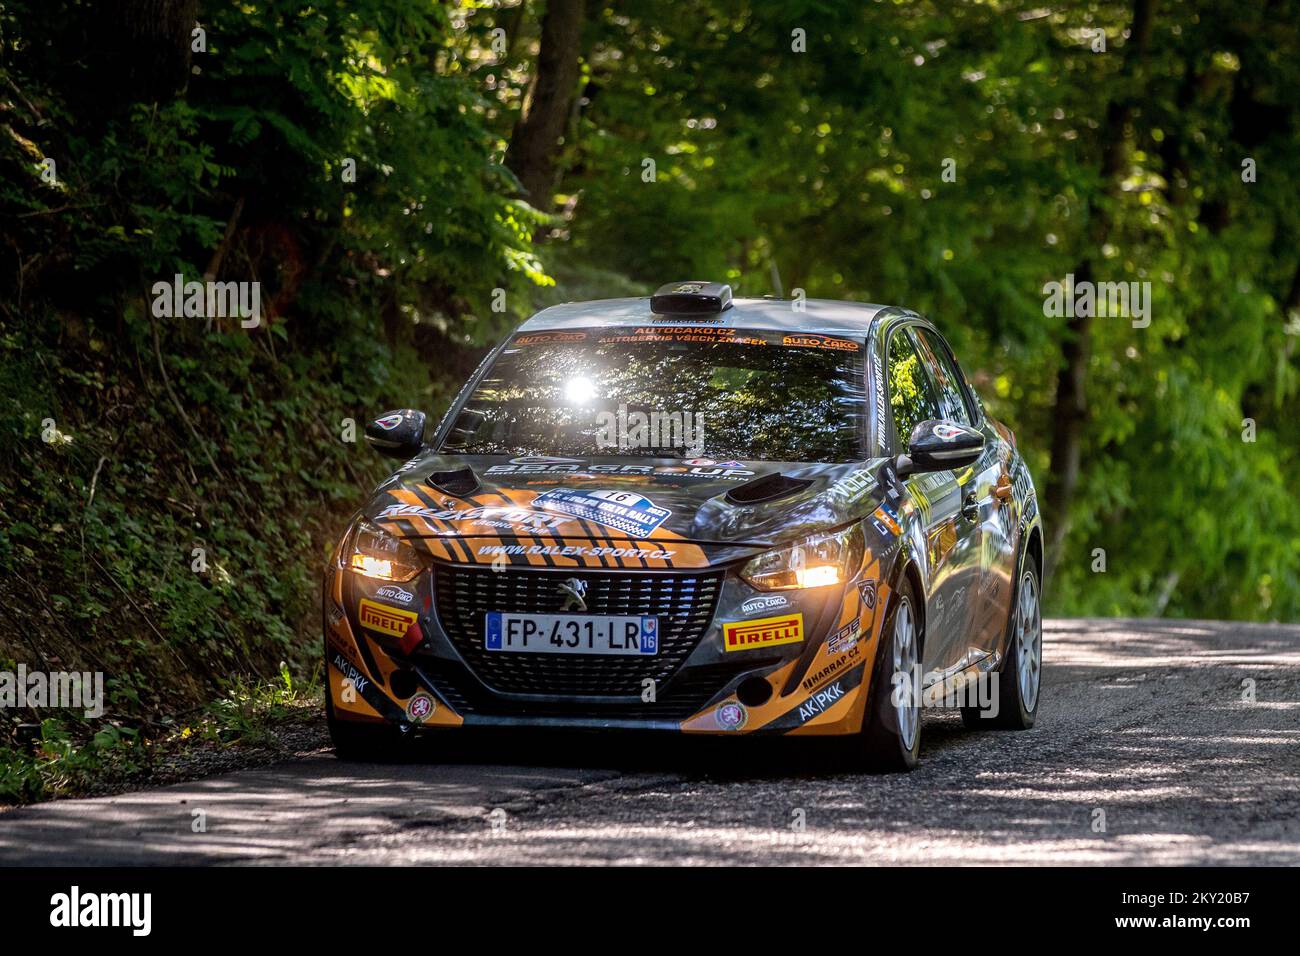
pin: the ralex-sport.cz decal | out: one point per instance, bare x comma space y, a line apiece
624, 511
764, 632
568, 468
574, 551
385, 619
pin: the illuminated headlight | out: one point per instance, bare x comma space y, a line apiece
374, 553
816, 561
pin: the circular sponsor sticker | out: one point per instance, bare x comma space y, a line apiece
419, 707
732, 716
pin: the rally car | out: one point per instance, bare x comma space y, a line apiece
698, 514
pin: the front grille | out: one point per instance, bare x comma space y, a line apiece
684, 696
683, 603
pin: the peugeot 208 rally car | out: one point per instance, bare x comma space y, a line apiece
696, 514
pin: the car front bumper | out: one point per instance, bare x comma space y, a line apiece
421, 664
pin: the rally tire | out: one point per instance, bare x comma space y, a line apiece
891, 728
1019, 686
363, 742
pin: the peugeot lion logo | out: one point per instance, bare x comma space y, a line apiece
575, 593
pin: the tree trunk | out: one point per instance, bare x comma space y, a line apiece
535, 142
1070, 409
140, 49
1069, 416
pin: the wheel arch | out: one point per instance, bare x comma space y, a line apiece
1034, 548
1031, 546
908, 571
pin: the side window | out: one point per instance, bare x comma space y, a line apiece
947, 379
911, 394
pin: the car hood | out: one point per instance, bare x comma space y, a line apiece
623, 498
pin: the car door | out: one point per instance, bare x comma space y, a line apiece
936, 499
987, 564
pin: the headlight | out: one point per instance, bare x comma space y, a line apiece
374, 553
814, 562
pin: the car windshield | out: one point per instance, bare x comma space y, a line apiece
682, 392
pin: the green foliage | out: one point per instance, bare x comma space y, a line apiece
216, 454
825, 171
251, 709
62, 762
66, 760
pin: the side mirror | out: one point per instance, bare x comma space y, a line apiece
940, 446
398, 434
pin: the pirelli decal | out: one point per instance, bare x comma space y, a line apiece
763, 632
385, 619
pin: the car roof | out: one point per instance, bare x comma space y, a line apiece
818, 315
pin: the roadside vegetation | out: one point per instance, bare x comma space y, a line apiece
253, 722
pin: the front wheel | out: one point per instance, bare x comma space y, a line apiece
1020, 676
892, 726
354, 741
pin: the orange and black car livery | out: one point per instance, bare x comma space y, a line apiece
695, 514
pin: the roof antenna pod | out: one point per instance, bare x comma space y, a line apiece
691, 298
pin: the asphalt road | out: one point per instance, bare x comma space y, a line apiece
1146, 752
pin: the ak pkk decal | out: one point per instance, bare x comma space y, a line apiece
819, 702
359, 681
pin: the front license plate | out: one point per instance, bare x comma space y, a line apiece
571, 634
